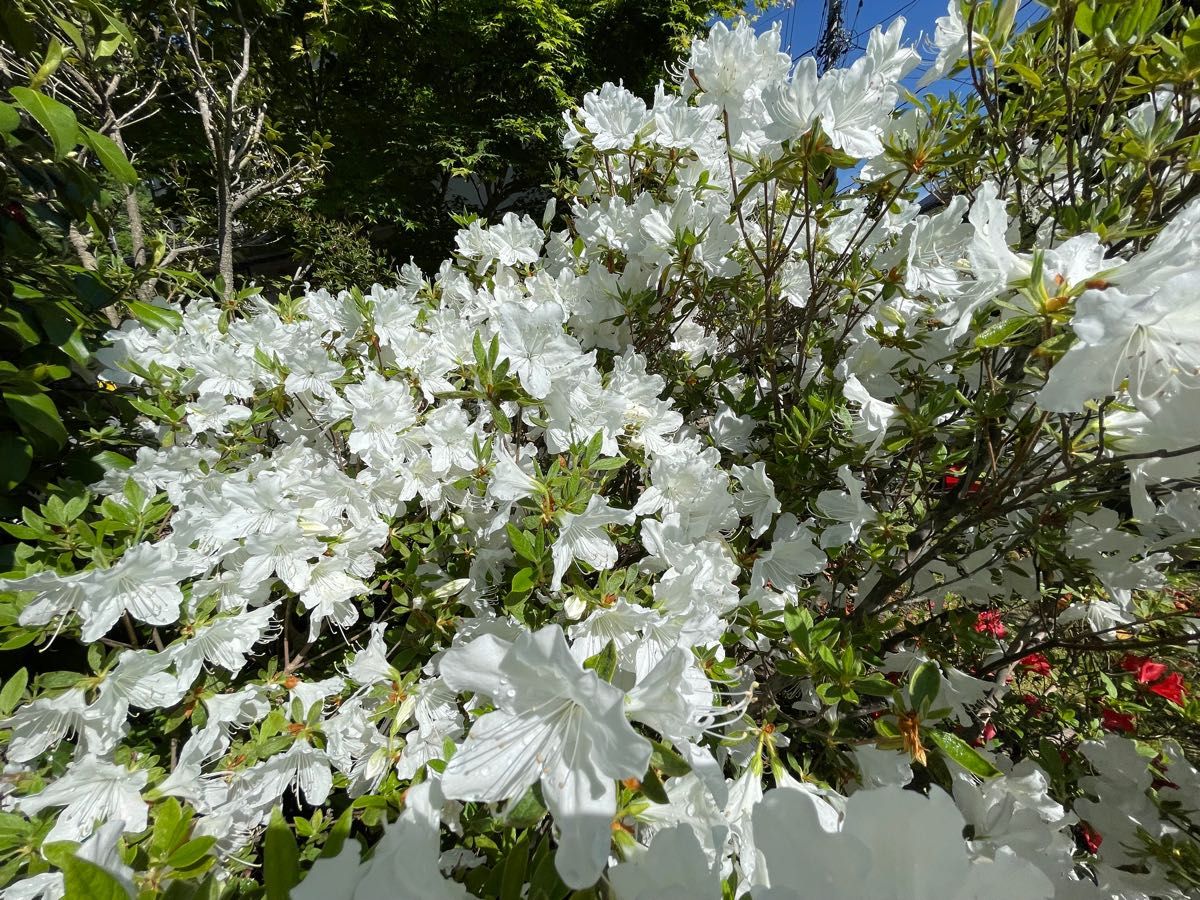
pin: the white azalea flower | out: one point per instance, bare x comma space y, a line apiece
304, 766
224, 642
40, 725
57, 595
873, 416
845, 507
404, 863
674, 865
792, 554
141, 679
792, 104
211, 413
757, 496
731, 431
950, 38
582, 536
555, 722
1140, 326
329, 593
893, 843
535, 344
619, 623
616, 117
144, 582
370, 665
313, 371
91, 791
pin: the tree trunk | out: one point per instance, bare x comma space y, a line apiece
225, 239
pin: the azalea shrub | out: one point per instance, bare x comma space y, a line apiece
804, 507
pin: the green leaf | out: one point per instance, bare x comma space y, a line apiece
875, 686
666, 760
191, 852
653, 788
107, 45
1005, 15
74, 507
170, 827
1083, 19
82, 878
338, 834
521, 543
53, 59
58, 120
522, 582
608, 464
604, 663
281, 858
63, 332
21, 639
924, 685
10, 118
71, 30
122, 30
516, 863
155, 317
111, 156
16, 456
527, 811
964, 754
13, 690
799, 623
1031, 77
997, 334
499, 419
479, 352
38, 417
545, 883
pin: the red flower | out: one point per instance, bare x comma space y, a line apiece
1031, 701
1092, 839
1170, 688
953, 480
989, 732
1111, 720
15, 211
988, 622
1147, 670
1036, 663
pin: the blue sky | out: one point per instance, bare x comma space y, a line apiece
801, 22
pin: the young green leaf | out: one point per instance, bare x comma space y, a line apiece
924, 685
604, 663
281, 858
82, 878
111, 156
964, 754
57, 119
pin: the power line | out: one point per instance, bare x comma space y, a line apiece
885, 20
835, 40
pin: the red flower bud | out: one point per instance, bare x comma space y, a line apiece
1111, 720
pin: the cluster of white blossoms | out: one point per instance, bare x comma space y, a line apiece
490, 438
